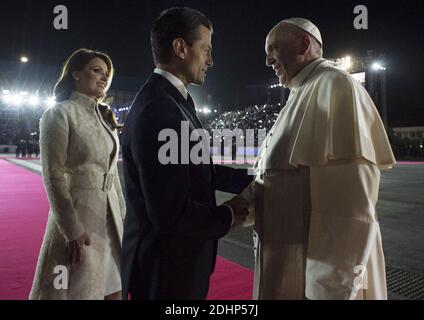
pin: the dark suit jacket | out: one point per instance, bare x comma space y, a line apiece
172, 222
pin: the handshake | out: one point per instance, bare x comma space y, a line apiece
240, 208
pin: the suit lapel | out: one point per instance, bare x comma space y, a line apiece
186, 106
189, 110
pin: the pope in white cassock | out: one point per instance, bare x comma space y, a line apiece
313, 200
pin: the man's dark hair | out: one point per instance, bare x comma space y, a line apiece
177, 22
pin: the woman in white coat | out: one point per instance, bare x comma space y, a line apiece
80, 256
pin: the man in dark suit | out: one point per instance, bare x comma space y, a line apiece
172, 222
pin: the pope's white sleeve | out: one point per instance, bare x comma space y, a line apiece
342, 229
248, 194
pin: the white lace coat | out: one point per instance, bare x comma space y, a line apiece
80, 178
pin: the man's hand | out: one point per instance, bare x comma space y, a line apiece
74, 248
241, 210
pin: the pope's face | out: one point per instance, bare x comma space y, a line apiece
199, 57
281, 54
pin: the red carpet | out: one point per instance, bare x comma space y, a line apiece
230, 281
23, 216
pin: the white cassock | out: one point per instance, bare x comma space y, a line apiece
316, 230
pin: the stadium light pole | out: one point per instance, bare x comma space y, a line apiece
380, 70
378, 87
23, 60
383, 96
24, 126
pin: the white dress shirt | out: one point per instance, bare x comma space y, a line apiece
177, 83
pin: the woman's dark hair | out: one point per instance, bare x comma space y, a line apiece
177, 22
66, 83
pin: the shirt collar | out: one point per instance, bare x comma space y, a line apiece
83, 99
177, 83
298, 80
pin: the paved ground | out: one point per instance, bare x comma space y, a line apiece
401, 214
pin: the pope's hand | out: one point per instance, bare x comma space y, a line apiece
241, 210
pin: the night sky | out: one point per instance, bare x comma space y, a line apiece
122, 28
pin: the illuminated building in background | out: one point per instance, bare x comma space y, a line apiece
370, 71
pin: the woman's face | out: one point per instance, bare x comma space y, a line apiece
93, 79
